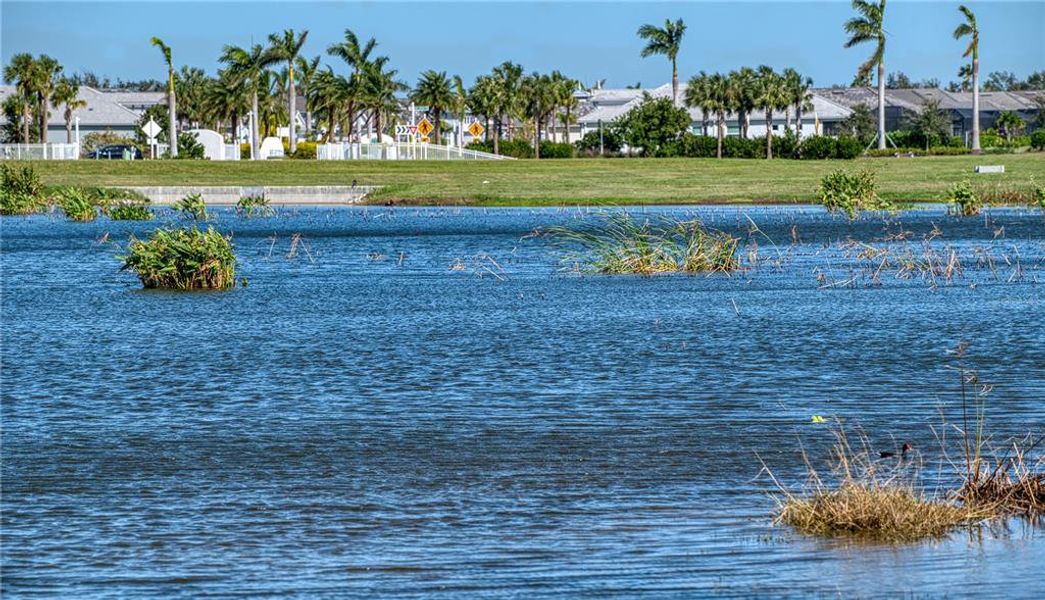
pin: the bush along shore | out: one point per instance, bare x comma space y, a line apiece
184, 258
21, 193
879, 496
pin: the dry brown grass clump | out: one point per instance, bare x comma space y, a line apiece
892, 512
871, 498
1012, 487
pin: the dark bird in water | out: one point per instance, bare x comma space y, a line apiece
907, 447
354, 184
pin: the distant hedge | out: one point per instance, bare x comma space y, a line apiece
786, 146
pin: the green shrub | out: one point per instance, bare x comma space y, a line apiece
611, 141
850, 192
948, 151
1037, 139
183, 259
23, 180
305, 150
737, 147
556, 150
129, 211
818, 147
189, 148
966, 204
77, 204
20, 190
1039, 196
513, 148
848, 147
254, 205
692, 146
192, 207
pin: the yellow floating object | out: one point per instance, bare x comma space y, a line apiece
819, 419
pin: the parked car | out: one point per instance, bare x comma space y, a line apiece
116, 152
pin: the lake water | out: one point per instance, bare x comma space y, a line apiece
427, 402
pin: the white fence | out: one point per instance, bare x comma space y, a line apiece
400, 151
39, 151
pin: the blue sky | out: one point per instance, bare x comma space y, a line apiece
586, 40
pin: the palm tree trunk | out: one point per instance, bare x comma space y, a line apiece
566, 125
537, 135
674, 83
68, 128
976, 105
172, 130
44, 114
234, 126
254, 147
769, 134
798, 125
292, 126
703, 123
26, 118
497, 135
881, 106
721, 132
438, 125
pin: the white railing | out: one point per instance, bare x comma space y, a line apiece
400, 151
39, 151
231, 152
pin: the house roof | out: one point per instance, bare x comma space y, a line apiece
104, 109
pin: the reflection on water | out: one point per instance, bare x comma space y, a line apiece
378, 413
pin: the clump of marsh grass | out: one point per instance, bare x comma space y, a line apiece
77, 204
254, 205
183, 259
879, 498
129, 211
966, 202
851, 192
192, 207
628, 246
20, 191
870, 499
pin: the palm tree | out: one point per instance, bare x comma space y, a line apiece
538, 96
460, 106
247, 65
698, 95
482, 100
224, 99
67, 94
306, 72
798, 91
357, 57
381, 88
965, 74
171, 104
46, 77
870, 27
21, 71
508, 77
970, 30
287, 47
744, 82
433, 90
771, 95
189, 85
566, 100
665, 41
325, 96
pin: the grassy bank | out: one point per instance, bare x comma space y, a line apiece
556, 182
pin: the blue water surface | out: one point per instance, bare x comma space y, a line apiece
435, 402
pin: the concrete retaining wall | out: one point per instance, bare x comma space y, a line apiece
304, 194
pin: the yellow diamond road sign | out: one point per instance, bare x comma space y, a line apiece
424, 127
475, 129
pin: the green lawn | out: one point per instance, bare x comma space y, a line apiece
569, 181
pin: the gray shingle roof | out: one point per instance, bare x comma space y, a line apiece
104, 109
